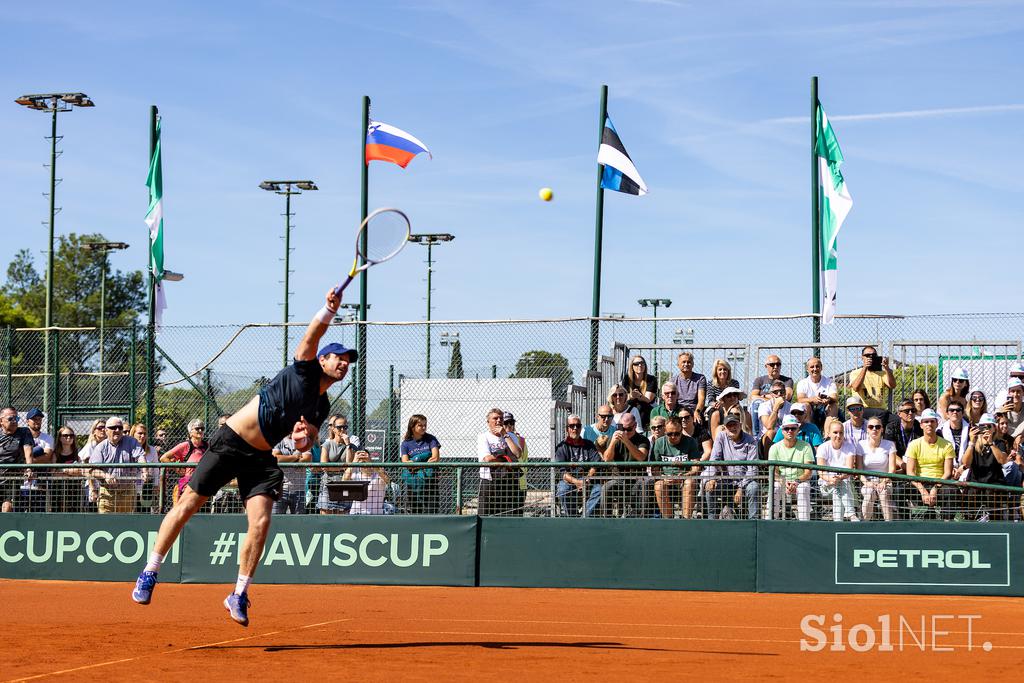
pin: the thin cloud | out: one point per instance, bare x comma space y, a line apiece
911, 114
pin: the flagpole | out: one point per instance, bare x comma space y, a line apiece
815, 219
151, 327
595, 310
359, 410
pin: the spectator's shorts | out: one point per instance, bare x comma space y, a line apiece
230, 457
10, 488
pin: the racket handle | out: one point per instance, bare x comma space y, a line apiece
341, 288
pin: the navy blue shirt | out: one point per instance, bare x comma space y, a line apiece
293, 393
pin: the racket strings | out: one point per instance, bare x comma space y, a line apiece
385, 233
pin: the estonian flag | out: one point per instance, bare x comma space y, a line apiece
619, 173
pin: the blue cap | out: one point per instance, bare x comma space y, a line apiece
33, 414
339, 349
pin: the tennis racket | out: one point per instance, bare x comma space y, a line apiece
386, 232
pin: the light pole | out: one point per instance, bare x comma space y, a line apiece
350, 317
654, 303
449, 339
430, 239
287, 188
103, 249
53, 104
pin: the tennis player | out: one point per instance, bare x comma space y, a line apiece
242, 449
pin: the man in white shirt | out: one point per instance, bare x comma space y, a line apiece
772, 409
818, 392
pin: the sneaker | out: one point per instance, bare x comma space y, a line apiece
238, 607
852, 518
144, 586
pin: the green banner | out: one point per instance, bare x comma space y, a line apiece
86, 547
373, 549
618, 553
887, 557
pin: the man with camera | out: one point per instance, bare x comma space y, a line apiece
873, 382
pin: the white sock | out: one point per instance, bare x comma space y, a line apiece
155, 560
242, 585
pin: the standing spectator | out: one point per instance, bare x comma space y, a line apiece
932, 456
733, 443
420, 481
959, 388
985, 460
818, 392
519, 492
338, 447
640, 388
35, 488
117, 485
692, 386
772, 408
160, 440
576, 480
43, 441
15, 449
792, 480
66, 495
956, 431
620, 406
97, 435
1013, 408
728, 400
808, 431
669, 406
627, 444
977, 407
873, 382
838, 452
498, 485
190, 451
147, 489
375, 490
674, 447
877, 455
762, 384
600, 433
294, 448
721, 379
921, 401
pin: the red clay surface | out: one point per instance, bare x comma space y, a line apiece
85, 630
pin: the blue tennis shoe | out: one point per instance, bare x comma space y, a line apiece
238, 607
144, 586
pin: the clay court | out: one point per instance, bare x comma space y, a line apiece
86, 630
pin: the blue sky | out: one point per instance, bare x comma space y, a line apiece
710, 99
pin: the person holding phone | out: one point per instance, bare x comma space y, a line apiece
873, 382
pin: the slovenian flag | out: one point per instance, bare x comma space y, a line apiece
619, 173
387, 143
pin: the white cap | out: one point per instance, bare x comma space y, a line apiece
928, 414
790, 420
960, 373
798, 408
729, 391
986, 419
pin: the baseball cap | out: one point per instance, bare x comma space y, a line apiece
928, 414
790, 421
729, 391
34, 413
508, 417
732, 417
798, 408
339, 349
986, 419
854, 401
1015, 382
960, 373
1017, 369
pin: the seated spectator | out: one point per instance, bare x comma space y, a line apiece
146, 491
808, 431
932, 456
620, 406
762, 384
498, 485
728, 400
376, 490
959, 388
669, 405
117, 485
97, 435
855, 429
160, 440
1016, 372
692, 386
838, 452
42, 440
1012, 472
66, 495
1013, 408
872, 383
956, 431
657, 428
728, 486
601, 431
877, 455
984, 460
772, 408
903, 430
921, 401
641, 388
576, 482
792, 480
702, 434
190, 451
337, 448
35, 490
819, 393
297, 448
15, 448
1002, 436
628, 485
674, 447
977, 406
419, 447
720, 379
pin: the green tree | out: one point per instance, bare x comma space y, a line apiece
455, 370
554, 366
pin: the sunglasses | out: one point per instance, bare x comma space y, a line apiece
341, 427
619, 394
603, 417
631, 428
11, 418
874, 426
789, 429
657, 426
639, 362
67, 436
906, 410
977, 399
573, 426
673, 434
959, 380
869, 355
99, 428
954, 410
115, 428
855, 409
199, 429
684, 418
773, 365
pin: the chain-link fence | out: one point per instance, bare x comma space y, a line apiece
208, 371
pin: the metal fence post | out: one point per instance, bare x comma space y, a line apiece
389, 440
494, 372
209, 397
132, 397
10, 366
51, 410
770, 503
458, 491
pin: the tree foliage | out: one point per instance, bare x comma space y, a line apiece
554, 366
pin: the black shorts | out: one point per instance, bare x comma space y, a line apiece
231, 457
10, 487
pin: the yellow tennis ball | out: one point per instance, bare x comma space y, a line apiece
546, 194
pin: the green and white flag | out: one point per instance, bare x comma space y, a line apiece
834, 203
155, 221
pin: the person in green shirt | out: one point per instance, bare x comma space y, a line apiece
669, 406
932, 456
673, 447
792, 480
